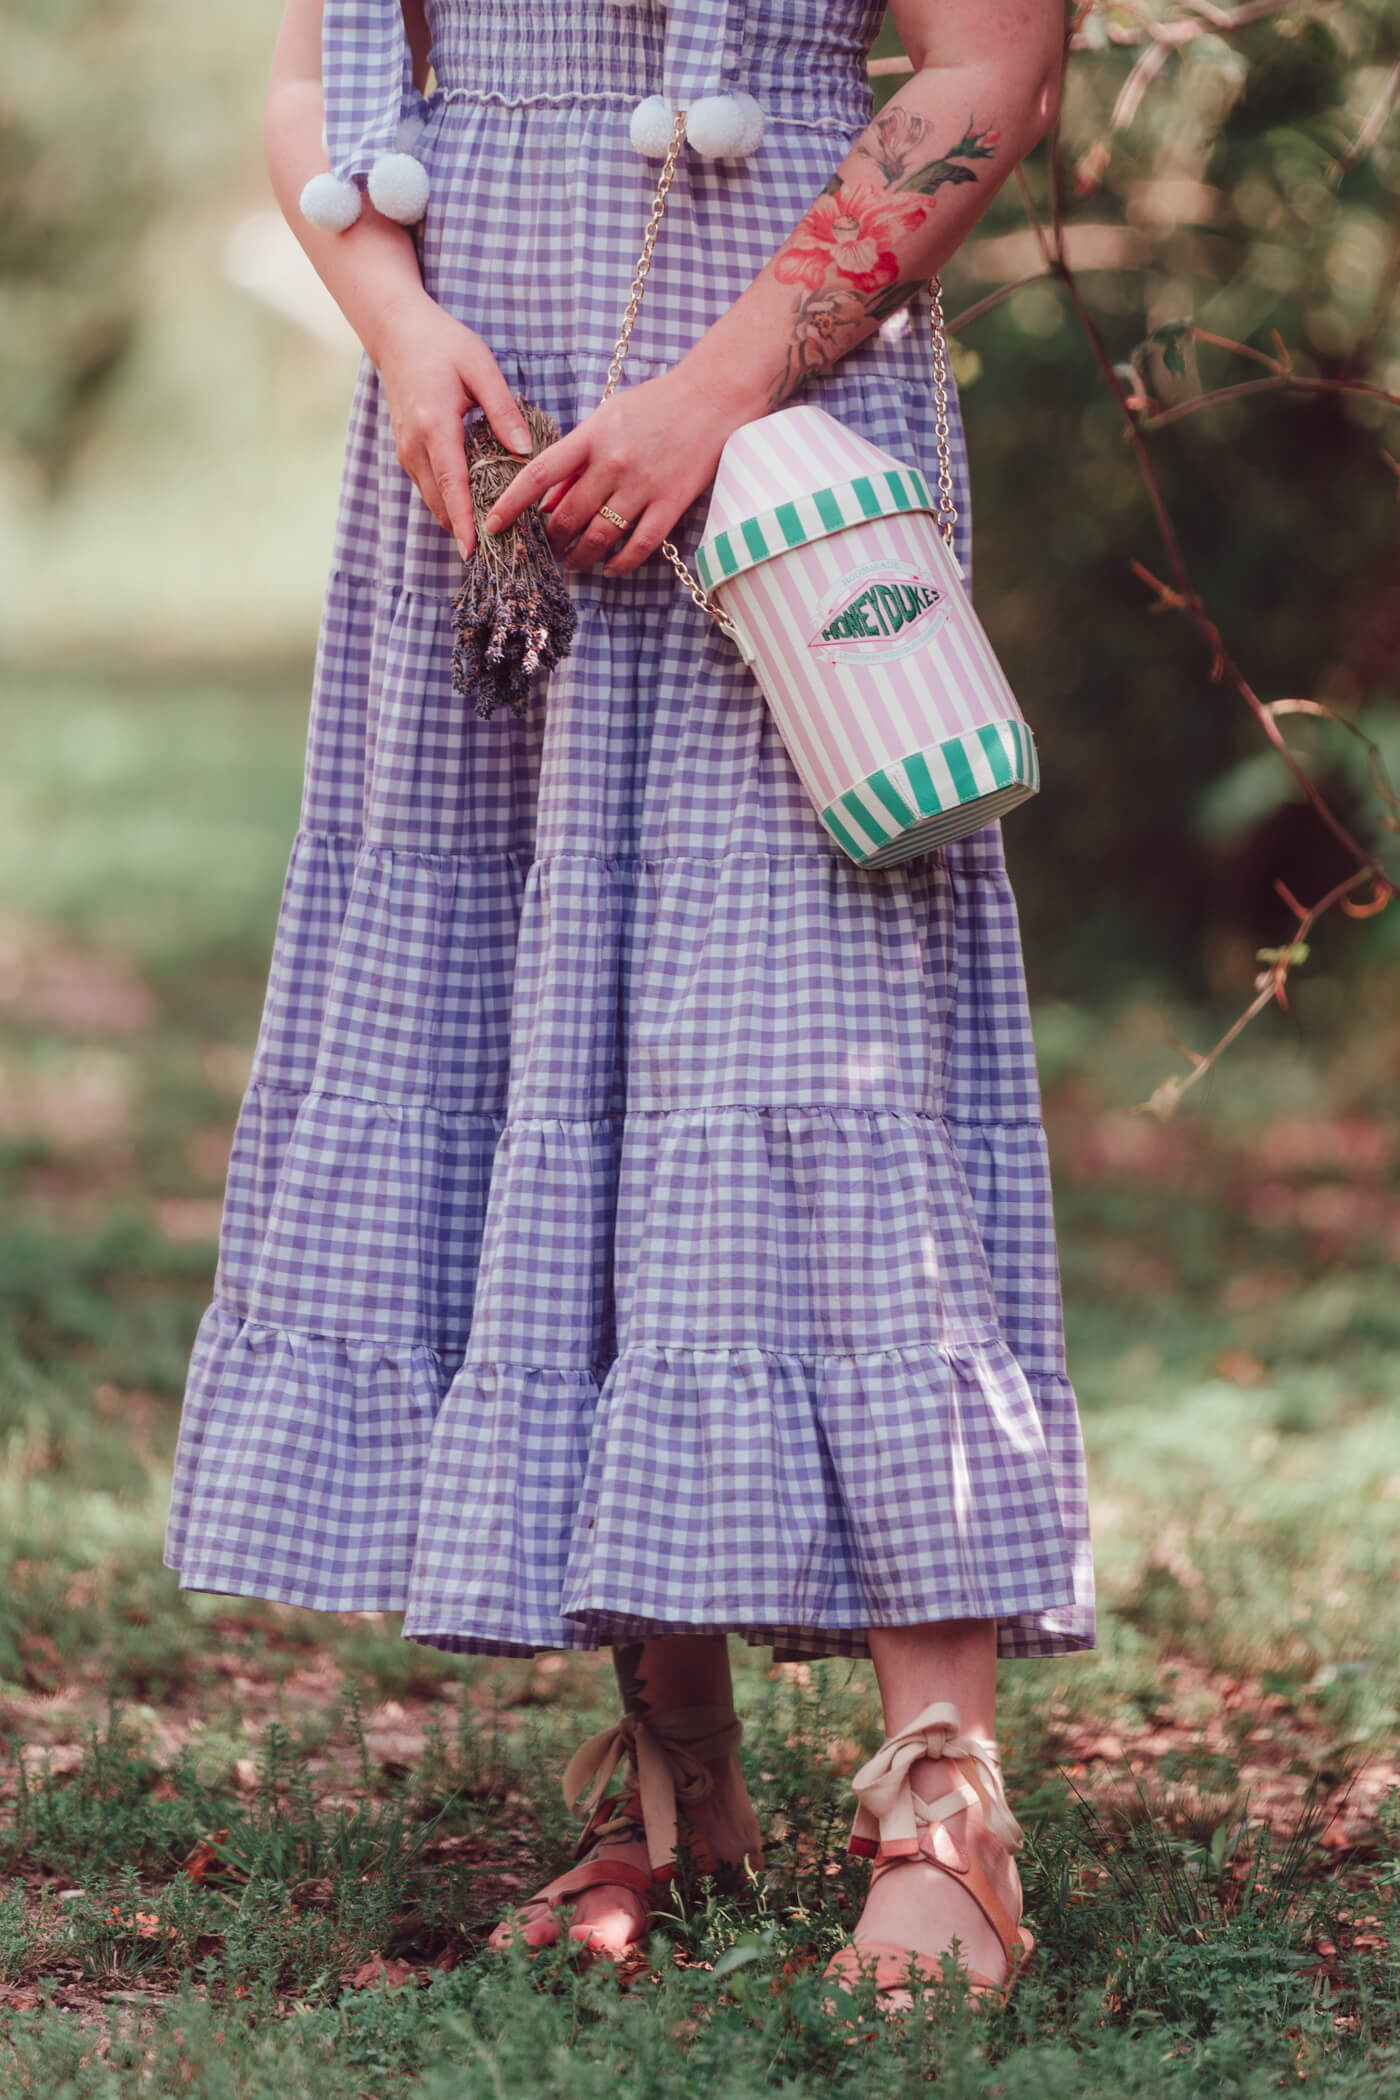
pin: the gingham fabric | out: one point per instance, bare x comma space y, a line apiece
638, 1217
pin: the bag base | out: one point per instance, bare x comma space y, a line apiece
928, 797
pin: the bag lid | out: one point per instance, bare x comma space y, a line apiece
794, 477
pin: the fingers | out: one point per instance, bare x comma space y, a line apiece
416, 462
485, 382
576, 512
558, 462
599, 538
448, 464
642, 541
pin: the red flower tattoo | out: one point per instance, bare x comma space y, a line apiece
849, 230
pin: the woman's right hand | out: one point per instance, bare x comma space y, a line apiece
434, 370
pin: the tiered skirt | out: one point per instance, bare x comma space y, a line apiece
638, 1217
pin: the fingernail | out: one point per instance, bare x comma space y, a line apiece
493, 524
464, 550
521, 440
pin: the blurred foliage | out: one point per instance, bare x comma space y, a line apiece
1252, 190
100, 125
1236, 199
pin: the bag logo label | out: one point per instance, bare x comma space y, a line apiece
886, 609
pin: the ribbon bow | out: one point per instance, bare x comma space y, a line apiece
888, 1811
667, 1756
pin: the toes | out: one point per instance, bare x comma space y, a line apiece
531, 1932
607, 1925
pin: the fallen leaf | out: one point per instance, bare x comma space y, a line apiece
204, 1857
392, 1974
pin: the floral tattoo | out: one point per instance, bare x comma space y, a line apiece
843, 253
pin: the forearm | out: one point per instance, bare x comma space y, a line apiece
914, 184
371, 270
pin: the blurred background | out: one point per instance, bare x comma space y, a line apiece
173, 392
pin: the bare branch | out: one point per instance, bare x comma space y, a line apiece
1282, 382
1145, 69
1375, 757
979, 307
1373, 124
1269, 986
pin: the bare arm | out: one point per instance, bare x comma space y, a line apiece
985, 89
919, 177
433, 368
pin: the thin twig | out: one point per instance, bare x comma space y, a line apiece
1146, 66
1230, 670
1375, 757
1373, 123
1135, 437
1227, 342
975, 312
1269, 989
1281, 382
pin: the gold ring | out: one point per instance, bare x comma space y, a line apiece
622, 524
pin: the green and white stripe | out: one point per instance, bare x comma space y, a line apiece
810, 517
929, 797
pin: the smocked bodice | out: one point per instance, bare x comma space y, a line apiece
801, 60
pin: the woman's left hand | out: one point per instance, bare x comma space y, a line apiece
647, 454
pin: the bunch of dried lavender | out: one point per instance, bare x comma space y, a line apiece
513, 615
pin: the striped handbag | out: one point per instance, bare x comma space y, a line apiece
830, 565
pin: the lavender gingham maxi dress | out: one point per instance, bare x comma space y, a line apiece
638, 1218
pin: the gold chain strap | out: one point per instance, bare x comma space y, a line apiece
938, 335
947, 508
639, 281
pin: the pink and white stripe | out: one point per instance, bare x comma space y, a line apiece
843, 721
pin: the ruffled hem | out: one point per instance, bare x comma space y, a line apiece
299, 1469
507, 1509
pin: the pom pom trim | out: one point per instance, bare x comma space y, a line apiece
719, 127
724, 127
330, 204
398, 187
650, 127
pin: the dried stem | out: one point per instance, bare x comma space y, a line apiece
1269, 986
1280, 382
979, 307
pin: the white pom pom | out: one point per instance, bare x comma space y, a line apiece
329, 203
650, 128
398, 186
724, 127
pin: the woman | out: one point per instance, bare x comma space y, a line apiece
638, 1225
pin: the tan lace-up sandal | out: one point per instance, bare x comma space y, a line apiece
896, 1826
665, 1761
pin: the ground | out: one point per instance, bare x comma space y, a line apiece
247, 1849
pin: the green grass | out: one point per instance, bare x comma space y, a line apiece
1219, 1919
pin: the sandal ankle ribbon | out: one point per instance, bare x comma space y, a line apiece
668, 1755
890, 1814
